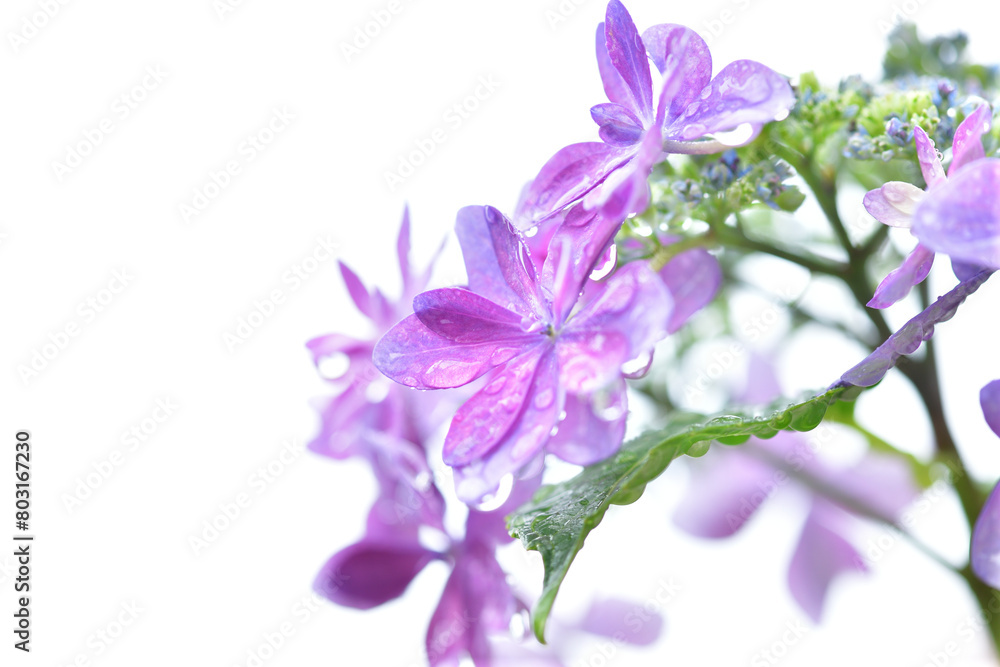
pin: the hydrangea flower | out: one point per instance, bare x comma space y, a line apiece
936, 227
731, 484
636, 128
985, 549
553, 359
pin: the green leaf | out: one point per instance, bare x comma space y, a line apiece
559, 517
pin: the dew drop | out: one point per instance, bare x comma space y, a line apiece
496, 386
496, 499
544, 398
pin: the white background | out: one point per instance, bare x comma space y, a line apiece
161, 338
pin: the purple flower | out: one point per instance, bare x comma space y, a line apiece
546, 351
985, 550
942, 225
689, 107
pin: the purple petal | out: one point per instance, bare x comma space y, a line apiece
415, 356
628, 55
624, 621
573, 251
908, 339
626, 191
490, 528
762, 384
619, 126
515, 262
927, 155
403, 250
726, 489
570, 174
692, 54
883, 484
465, 317
371, 572
359, 293
614, 85
342, 418
899, 282
485, 419
964, 270
593, 428
821, 555
961, 217
522, 443
967, 145
589, 360
985, 548
989, 399
481, 263
744, 92
693, 279
894, 203
613, 308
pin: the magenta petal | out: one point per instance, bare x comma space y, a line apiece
743, 92
485, 419
690, 51
899, 282
523, 442
693, 279
589, 360
613, 308
614, 85
894, 203
628, 55
593, 428
619, 126
821, 555
985, 549
989, 399
967, 145
927, 155
961, 217
403, 251
626, 621
465, 317
515, 262
413, 355
570, 174
371, 572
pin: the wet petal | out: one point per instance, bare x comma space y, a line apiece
691, 52
619, 126
961, 217
693, 279
899, 282
465, 317
628, 55
371, 572
744, 92
984, 552
589, 360
927, 155
514, 261
967, 145
413, 355
570, 174
488, 415
894, 203
594, 426
481, 263
989, 399
821, 555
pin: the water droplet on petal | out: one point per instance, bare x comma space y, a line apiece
499, 497
544, 398
502, 355
604, 271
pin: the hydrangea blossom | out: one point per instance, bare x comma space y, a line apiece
554, 360
985, 550
938, 230
635, 131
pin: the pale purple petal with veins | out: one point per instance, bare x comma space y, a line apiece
927, 156
899, 282
628, 55
514, 261
619, 126
481, 265
589, 360
690, 49
820, 556
743, 92
614, 85
486, 418
465, 317
693, 279
894, 203
961, 217
593, 428
413, 355
967, 145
